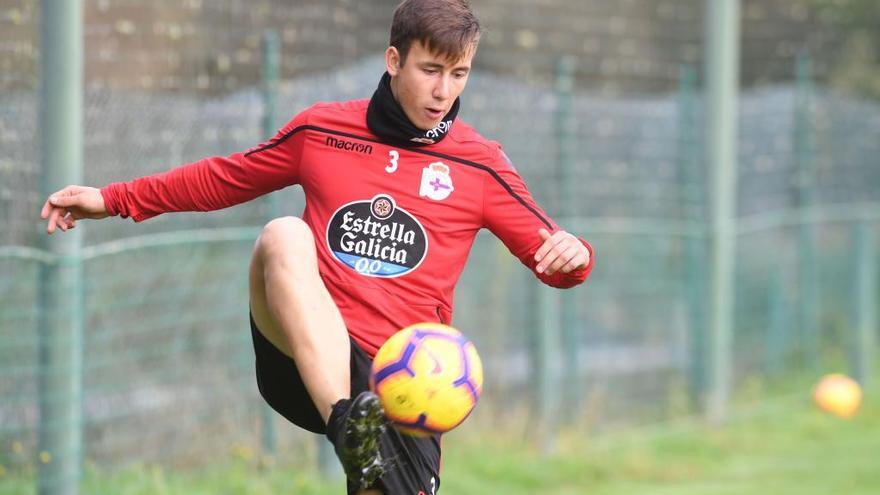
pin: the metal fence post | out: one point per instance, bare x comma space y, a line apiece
548, 365
566, 141
271, 61
808, 300
62, 313
694, 262
865, 276
722, 79
565, 134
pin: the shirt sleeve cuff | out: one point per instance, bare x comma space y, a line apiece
111, 202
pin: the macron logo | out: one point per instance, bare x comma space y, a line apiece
342, 144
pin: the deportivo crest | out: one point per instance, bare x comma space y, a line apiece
376, 238
436, 182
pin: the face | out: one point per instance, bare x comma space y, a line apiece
427, 84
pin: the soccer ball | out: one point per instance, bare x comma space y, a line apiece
428, 377
839, 395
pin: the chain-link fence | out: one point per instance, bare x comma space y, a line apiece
599, 106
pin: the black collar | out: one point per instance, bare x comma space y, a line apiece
386, 119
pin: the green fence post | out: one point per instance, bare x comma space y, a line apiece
61, 315
808, 300
271, 61
722, 78
566, 141
865, 276
565, 134
271, 75
694, 262
547, 368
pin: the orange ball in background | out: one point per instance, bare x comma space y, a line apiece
839, 395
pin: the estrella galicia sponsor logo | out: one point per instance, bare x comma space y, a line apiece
346, 145
376, 238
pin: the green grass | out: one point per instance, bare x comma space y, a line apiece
789, 448
785, 447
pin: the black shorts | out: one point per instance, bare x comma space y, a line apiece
417, 460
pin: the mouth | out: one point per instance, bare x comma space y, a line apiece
435, 113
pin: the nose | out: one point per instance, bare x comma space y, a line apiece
442, 88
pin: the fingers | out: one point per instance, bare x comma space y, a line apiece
560, 251
69, 196
68, 221
579, 260
550, 242
50, 202
54, 216
546, 246
60, 219
44, 212
563, 259
55, 209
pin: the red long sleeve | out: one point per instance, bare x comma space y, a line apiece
511, 214
211, 183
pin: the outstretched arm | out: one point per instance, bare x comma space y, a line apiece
208, 184
556, 257
63, 208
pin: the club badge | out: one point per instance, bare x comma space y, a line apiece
436, 182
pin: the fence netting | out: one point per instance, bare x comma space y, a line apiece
599, 106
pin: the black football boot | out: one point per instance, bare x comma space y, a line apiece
354, 430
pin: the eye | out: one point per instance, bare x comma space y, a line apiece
460, 74
429, 70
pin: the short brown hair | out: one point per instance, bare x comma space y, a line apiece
446, 27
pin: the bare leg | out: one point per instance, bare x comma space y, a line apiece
294, 311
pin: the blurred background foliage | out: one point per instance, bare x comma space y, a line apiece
857, 69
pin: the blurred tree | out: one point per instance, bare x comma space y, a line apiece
857, 69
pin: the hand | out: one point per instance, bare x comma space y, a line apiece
63, 208
560, 252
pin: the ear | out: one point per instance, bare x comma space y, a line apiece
392, 60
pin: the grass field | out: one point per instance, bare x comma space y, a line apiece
783, 447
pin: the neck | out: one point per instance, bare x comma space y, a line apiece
394, 83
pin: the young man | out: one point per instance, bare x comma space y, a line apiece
396, 188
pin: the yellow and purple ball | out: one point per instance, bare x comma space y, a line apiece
428, 377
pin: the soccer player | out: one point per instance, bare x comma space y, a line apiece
396, 188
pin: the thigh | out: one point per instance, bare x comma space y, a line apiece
416, 468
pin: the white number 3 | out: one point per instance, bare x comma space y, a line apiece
394, 157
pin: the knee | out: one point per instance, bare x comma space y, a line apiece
286, 238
